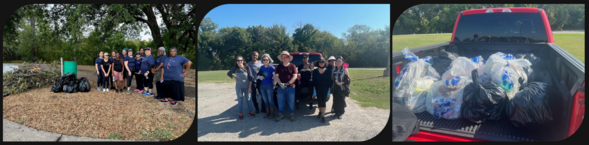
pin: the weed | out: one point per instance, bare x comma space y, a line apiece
115, 136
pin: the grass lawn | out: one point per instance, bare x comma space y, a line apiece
368, 87
573, 43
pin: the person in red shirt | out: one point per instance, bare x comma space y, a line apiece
286, 74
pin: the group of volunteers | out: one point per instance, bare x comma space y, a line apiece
260, 75
167, 72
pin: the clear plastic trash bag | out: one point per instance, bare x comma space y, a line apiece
462, 66
414, 69
414, 96
504, 70
444, 98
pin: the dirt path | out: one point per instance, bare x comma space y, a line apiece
218, 121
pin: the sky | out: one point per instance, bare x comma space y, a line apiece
335, 18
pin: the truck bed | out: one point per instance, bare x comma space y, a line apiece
503, 130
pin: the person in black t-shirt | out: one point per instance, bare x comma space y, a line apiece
118, 72
106, 70
304, 70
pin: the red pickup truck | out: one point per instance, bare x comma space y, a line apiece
514, 31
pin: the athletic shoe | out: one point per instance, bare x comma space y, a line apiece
149, 94
140, 91
106, 90
144, 94
117, 91
164, 101
129, 92
136, 90
103, 90
98, 88
173, 103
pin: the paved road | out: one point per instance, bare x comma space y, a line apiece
218, 121
572, 32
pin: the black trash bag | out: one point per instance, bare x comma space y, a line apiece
84, 85
442, 61
530, 107
65, 88
483, 101
75, 88
405, 123
57, 87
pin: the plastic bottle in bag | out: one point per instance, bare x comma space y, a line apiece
462, 66
414, 96
444, 98
504, 70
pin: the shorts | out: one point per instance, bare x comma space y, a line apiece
118, 75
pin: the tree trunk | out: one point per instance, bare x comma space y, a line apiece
152, 23
32, 20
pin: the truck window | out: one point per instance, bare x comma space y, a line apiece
501, 27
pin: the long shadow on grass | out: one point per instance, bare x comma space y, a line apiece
229, 122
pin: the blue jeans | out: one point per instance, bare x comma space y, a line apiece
267, 92
287, 95
243, 97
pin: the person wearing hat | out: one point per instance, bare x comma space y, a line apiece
98, 66
331, 62
286, 75
146, 64
321, 83
304, 70
130, 66
138, 77
107, 71
265, 76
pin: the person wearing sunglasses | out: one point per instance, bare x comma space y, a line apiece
243, 80
322, 84
255, 65
286, 75
106, 70
303, 90
267, 88
138, 78
340, 87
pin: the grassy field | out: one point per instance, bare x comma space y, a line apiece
368, 87
573, 43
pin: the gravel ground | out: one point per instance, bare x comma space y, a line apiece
218, 120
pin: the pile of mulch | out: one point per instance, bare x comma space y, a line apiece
99, 114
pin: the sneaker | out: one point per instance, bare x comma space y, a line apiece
291, 117
136, 90
174, 104
103, 90
98, 88
164, 101
129, 92
240, 115
251, 113
322, 119
140, 91
106, 90
280, 116
144, 94
117, 91
149, 94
